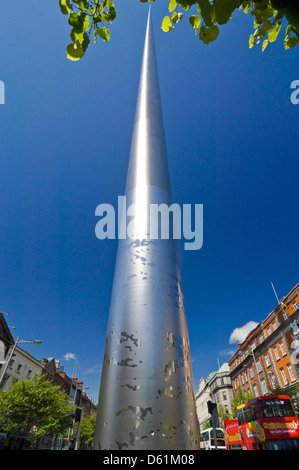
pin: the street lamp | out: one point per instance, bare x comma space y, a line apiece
18, 341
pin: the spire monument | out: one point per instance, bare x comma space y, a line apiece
146, 398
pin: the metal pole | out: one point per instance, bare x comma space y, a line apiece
214, 432
78, 431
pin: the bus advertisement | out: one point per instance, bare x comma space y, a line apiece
264, 423
233, 440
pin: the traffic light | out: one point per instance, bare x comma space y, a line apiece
77, 414
212, 409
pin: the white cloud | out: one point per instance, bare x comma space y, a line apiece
239, 334
69, 356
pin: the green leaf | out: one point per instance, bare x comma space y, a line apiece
207, 12
111, 15
75, 51
251, 41
267, 25
176, 17
260, 33
291, 42
262, 14
167, 25
104, 33
224, 10
273, 32
195, 21
246, 6
265, 44
85, 22
82, 4
208, 35
172, 5
65, 6
77, 36
186, 4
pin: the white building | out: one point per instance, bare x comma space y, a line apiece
217, 387
22, 366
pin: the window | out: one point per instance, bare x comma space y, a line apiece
19, 368
11, 363
290, 369
276, 408
264, 387
276, 353
240, 416
282, 348
255, 390
274, 325
295, 305
251, 372
258, 366
261, 338
252, 346
224, 396
285, 316
284, 377
273, 379
269, 330
267, 359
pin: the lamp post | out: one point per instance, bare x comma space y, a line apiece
18, 341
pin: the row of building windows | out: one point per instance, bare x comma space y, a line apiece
20, 366
266, 333
285, 381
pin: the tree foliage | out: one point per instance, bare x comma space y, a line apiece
87, 430
239, 398
35, 408
93, 18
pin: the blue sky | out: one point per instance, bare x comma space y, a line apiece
232, 139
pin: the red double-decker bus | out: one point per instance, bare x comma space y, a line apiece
264, 423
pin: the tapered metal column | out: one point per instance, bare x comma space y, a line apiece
146, 398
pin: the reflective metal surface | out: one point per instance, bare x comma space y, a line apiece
146, 398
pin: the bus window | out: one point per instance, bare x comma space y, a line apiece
254, 412
219, 438
240, 416
276, 408
247, 414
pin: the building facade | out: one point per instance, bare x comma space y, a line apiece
22, 366
217, 387
269, 356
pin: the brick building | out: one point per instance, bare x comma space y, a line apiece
269, 356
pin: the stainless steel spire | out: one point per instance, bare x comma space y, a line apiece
146, 398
